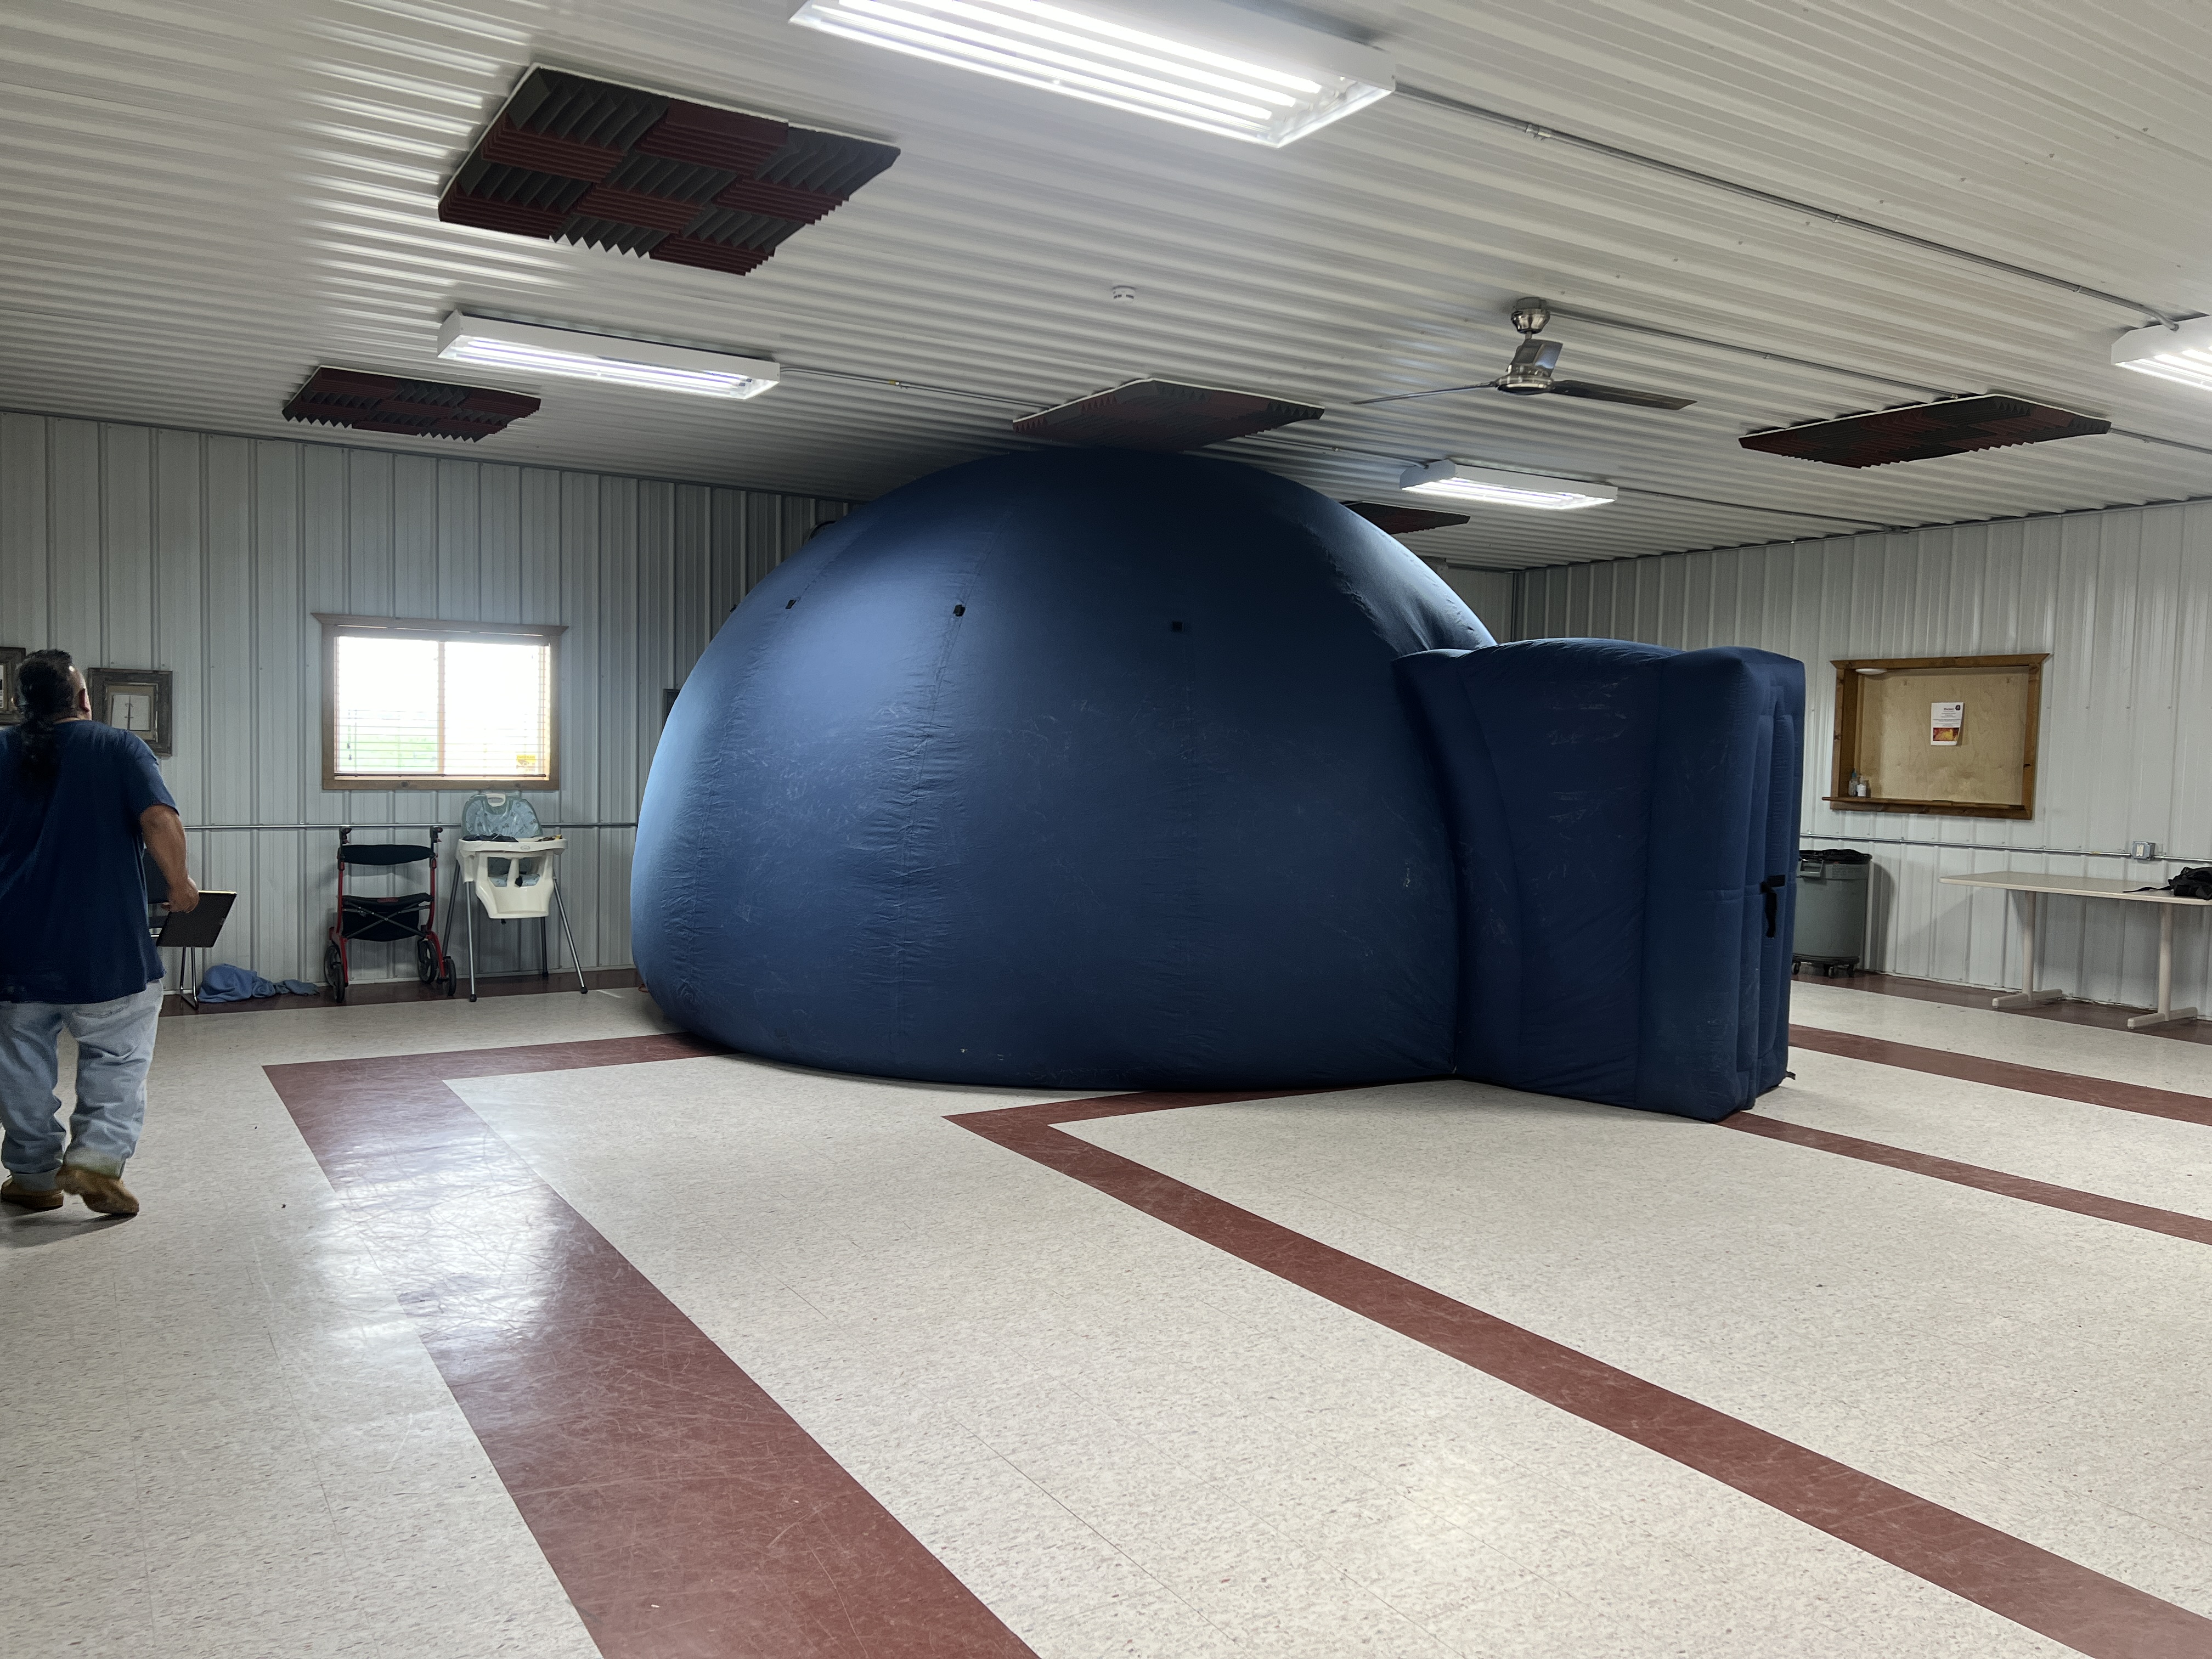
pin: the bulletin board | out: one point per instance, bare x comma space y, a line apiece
1954, 737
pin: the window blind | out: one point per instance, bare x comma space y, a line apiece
430, 709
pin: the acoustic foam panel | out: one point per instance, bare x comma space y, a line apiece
575, 160
1956, 426
1162, 416
418, 408
1404, 520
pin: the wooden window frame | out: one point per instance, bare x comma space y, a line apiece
1850, 682
336, 627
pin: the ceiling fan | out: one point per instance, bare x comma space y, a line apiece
1529, 374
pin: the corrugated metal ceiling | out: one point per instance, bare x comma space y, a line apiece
205, 202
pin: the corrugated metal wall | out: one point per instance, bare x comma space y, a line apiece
2122, 600
138, 547
1493, 595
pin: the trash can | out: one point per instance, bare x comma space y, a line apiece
1832, 909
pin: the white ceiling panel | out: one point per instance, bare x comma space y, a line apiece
201, 202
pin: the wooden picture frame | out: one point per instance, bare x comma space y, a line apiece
11, 702
138, 700
1985, 769
335, 626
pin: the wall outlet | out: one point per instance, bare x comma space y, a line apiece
2142, 851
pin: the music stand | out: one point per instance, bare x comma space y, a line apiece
191, 932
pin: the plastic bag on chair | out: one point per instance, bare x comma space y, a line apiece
488, 816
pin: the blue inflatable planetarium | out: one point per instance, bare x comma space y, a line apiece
1093, 770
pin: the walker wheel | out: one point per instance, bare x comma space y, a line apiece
334, 971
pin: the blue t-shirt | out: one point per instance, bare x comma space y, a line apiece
72, 890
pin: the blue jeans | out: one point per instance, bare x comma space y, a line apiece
115, 1047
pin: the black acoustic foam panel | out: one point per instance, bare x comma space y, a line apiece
1956, 426
418, 408
1164, 415
1404, 520
573, 160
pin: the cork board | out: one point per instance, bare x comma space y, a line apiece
1886, 730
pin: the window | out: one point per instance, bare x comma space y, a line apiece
430, 705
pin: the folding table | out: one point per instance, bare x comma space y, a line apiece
2037, 887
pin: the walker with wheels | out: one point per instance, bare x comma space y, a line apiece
374, 920
511, 865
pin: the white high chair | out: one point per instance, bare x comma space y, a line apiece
513, 876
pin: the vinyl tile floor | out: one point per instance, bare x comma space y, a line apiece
611, 1347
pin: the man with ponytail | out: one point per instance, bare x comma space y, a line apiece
78, 800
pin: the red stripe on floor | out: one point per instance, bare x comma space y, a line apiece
2172, 1222
2046, 1593
690, 1517
687, 1514
2005, 1074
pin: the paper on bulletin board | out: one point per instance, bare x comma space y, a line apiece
1944, 719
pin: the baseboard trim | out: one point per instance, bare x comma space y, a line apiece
372, 992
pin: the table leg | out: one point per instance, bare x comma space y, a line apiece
2165, 1013
2027, 996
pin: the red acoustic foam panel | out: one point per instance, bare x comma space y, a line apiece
544, 152
575, 160
511, 218
711, 256
636, 207
1404, 520
719, 138
1956, 426
776, 201
418, 408
1165, 415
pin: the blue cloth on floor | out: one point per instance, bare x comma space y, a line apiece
224, 983
298, 988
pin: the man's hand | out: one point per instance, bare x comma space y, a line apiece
165, 839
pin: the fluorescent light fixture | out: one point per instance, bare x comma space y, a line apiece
529, 349
2183, 353
1463, 482
1197, 63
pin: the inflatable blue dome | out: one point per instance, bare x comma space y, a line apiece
1080, 770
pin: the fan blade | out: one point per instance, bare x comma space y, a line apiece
1619, 394
1407, 396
